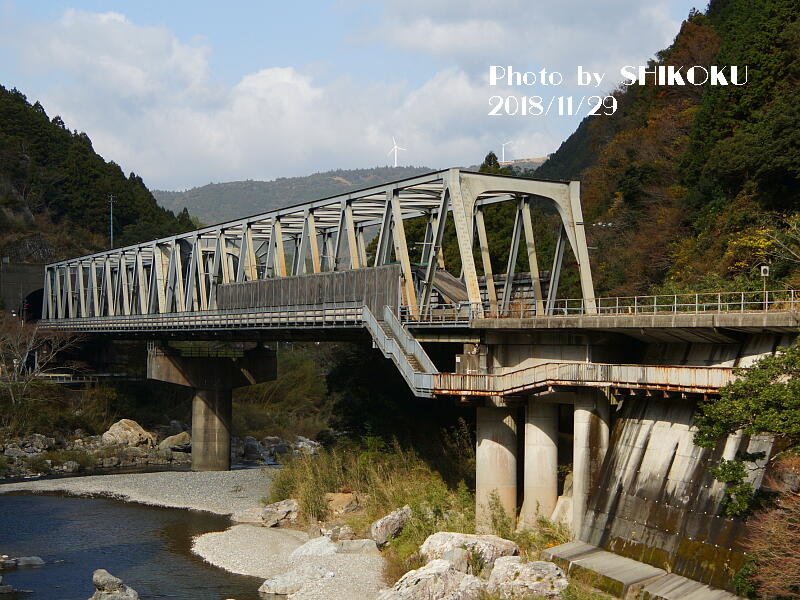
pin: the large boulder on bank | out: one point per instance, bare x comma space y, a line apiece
438, 579
291, 582
321, 546
511, 578
128, 433
110, 587
180, 442
490, 547
389, 526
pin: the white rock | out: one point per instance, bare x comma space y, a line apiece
321, 546
512, 578
291, 582
280, 513
438, 579
29, 561
358, 547
180, 440
490, 547
129, 433
111, 588
389, 526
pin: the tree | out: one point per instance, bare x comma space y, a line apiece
27, 353
491, 165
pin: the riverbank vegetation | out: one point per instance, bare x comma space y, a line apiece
765, 399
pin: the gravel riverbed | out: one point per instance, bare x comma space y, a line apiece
243, 549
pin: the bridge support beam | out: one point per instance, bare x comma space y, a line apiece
541, 462
590, 442
212, 372
495, 464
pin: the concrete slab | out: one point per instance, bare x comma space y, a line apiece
674, 587
628, 578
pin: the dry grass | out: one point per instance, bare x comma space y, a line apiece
386, 478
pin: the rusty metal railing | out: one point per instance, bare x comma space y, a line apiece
646, 377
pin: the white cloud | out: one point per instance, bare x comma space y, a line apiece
149, 100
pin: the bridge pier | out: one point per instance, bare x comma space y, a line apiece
591, 416
495, 464
212, 371
540, 482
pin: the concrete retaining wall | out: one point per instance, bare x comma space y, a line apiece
656, 501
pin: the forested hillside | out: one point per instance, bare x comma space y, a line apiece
54, 190
695, 187
218, 202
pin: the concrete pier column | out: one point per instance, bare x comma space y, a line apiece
212, 370
590, 442
211, 430
495, 464
541, 462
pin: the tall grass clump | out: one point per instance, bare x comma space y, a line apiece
385, 477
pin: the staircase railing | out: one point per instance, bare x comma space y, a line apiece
420, 383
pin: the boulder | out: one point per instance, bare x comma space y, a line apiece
280, 513
438, 579
341, 532
459, 558
490, 547
358, 547
342, 503
180, 442
252, 449
321, 546
389, 526
40, 443
128, 433
291, 582
70, 466
110, 587
29, 561
303, 445
512, 578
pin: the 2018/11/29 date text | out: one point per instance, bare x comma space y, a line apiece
563, 106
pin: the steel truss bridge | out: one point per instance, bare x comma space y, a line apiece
306, 267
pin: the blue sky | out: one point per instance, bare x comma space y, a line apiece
187, 92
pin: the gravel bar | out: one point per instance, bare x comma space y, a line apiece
219, 492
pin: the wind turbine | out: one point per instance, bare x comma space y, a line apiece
503, 151
394, 149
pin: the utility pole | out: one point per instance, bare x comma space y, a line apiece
111, 220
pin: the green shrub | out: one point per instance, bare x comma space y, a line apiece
5, 467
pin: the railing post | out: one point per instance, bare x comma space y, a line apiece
742, 302
635, 304
719, 302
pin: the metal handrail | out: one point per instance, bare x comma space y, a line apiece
680, 378
699, 303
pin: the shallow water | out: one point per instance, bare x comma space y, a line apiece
148, 547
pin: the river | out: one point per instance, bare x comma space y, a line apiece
148, 547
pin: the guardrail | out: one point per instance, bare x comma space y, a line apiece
709, 302
653, 377
326, 315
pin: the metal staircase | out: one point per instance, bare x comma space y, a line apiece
396, 343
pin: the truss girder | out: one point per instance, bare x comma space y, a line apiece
182, 273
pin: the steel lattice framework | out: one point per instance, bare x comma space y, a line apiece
182, 273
